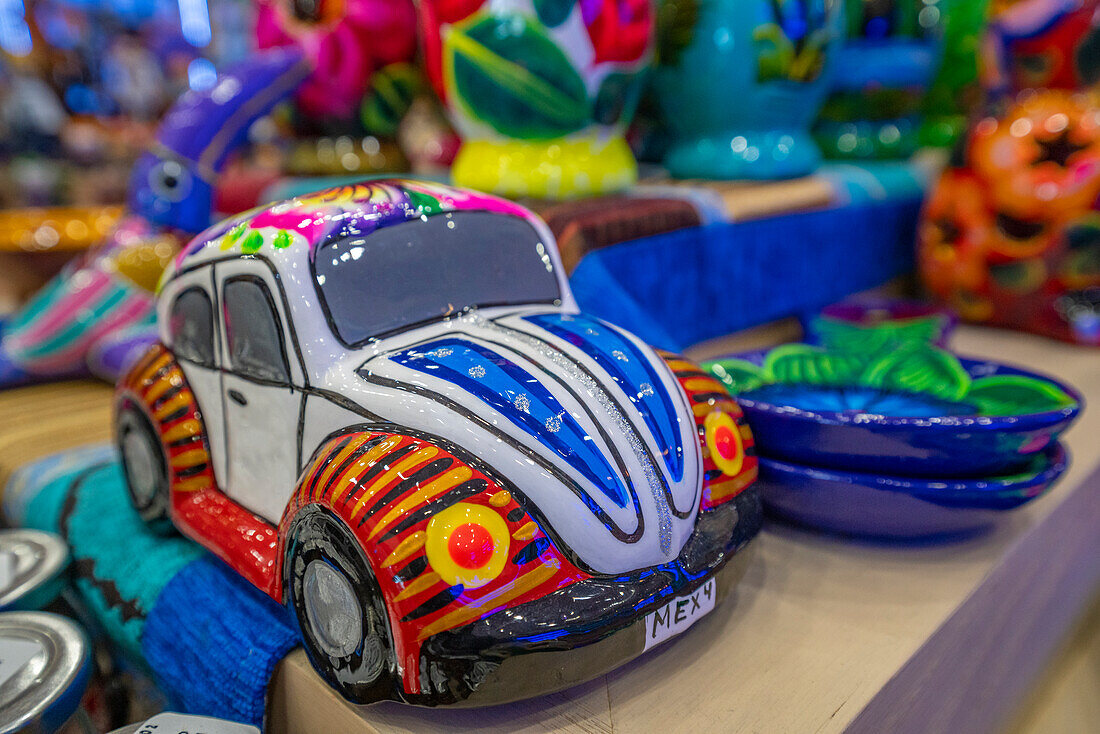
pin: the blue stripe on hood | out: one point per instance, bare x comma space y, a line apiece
631, 370
516, 394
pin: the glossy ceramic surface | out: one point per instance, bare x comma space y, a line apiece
540, 90
885, 65
741, 81
1012, 236
881, 506
110, 289
393, 379
912, 413
872, 324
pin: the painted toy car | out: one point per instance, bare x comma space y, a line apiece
381, 406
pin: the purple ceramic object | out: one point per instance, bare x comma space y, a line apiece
880, 506
894, 315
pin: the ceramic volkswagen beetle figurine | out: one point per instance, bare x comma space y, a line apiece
381, 405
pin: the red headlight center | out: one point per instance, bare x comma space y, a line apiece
726, 443
470, 545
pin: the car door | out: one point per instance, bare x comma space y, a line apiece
192, 337
261, 393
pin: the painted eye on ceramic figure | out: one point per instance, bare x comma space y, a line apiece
170, 180
1019, 237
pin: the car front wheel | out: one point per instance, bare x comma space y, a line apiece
332, 594
144, 464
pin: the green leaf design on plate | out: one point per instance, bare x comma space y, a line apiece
737, 375
1016, 395
848, 337
509, 74
801, 363
553, 12
392, 89
918, 368
617, 98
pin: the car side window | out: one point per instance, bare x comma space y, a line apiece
191, 326
252, 331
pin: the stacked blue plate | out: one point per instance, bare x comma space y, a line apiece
900, 440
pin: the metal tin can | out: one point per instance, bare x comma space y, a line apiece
31, 563
45, 665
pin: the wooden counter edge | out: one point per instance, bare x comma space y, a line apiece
977, 669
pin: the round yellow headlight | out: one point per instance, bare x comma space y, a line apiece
467, 544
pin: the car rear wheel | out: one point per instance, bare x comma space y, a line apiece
332, 594
144, 465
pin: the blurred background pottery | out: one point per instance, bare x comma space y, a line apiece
741, 81
540, 91
1010, 235
956, 91
884, 67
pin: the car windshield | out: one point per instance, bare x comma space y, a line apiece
429, 268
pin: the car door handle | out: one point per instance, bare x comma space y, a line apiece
238, 398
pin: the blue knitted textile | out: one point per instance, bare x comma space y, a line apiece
214, 639
211, 639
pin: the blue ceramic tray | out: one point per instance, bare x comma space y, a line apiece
902, 508
880, 428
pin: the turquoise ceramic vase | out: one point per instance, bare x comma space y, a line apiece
741, 81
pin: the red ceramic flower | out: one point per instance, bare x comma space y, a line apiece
621, 30
347, 40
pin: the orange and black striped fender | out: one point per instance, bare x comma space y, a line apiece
404, 497
197, 506
729, 453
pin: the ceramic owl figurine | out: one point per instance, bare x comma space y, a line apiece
540, 91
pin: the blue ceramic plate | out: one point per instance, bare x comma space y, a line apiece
898, 507
945, 426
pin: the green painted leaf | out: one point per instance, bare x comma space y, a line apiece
553, 12
918, 368
1016, 395
253, 242
392, 89
618, 97
801, 363
849, 337
510, 75
282, 240
736, 374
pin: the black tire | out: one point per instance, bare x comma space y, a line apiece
144, 464
325, 569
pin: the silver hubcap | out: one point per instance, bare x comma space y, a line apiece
332, 608
142, 464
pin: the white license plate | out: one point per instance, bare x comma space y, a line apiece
679, 614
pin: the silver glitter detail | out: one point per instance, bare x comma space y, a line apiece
645, 390
522, 403
664, 515
477, 372
441, 352
590, 331
620, 356
553, 423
